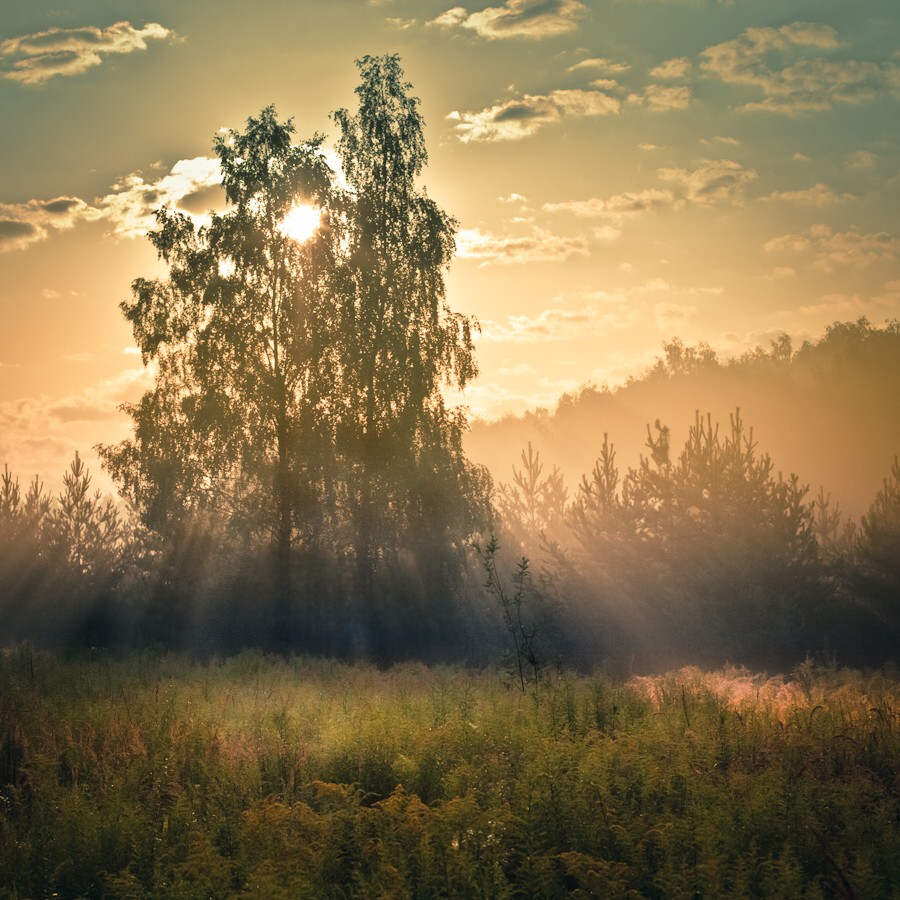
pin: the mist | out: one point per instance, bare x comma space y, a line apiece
827, 411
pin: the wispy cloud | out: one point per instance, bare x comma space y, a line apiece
558, 324
517, 19
33, 59
817, 195
41, 434
672, 317
103, 399
662, 98
538, 246
832, 249
678, 67
629, 203
525, 116
788, 66
712, 181
22, 224
720, 139
861, 159
599, 64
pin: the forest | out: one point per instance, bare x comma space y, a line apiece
313, 649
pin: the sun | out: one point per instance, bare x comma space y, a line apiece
301, 222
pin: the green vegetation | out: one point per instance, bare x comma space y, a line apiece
297, 406
156, 777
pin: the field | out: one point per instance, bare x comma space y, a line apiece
153, 776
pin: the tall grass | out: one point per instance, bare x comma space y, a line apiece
152, 776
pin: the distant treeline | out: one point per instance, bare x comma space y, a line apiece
827, 409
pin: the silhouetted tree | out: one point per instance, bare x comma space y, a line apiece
704, 557
239, 331
66, 562
408, 484
877, 554
298, 391
533, 507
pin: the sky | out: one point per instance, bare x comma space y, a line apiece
622, 171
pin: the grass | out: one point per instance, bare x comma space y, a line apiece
152, 776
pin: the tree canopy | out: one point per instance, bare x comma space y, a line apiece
299, 372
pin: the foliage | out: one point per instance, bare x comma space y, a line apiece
532, 509
409, 488
876, 574
524, 665
251, 777
231, 428
298, 398
66, 562
711, 550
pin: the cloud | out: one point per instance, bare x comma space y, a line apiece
523, 117
558, 324
678, 67
662, 98
599, 63
629, 203
33, 59
817, 195
720, 139
192, 187
517, 370
22, 224
517, 19
490, 400
605, 84
861, 159
673, 316
713, 181
41, 434
832, 249
539, 246
653, 286
786, 64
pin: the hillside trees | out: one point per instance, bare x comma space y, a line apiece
297, 399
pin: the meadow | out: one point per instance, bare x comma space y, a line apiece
155, 776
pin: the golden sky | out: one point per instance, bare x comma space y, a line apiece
623, 172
